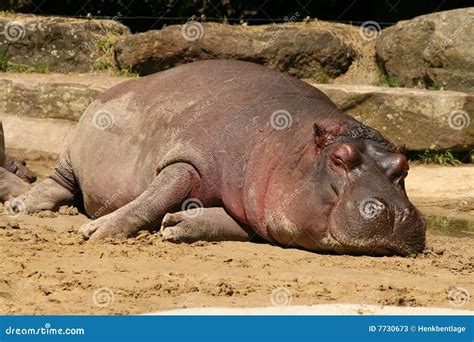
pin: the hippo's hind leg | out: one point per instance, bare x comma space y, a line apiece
203, 224
56, 190
168, 190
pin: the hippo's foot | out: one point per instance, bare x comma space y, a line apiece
18, 167
47, 195
202, 224
106, 226
51, 193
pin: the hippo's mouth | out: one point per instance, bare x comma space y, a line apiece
376, 247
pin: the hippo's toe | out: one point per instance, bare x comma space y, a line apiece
86, 230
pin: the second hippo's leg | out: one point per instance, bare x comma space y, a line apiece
58, 189
18, 167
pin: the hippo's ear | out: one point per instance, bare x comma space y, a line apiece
320, 136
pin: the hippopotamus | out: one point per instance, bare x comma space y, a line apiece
15, 177
230, 150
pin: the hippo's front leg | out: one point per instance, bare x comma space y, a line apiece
168, 190
203, 224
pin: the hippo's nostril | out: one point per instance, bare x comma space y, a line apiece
407, 214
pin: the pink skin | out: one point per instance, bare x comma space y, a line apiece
206, 131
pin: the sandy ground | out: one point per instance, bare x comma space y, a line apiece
47, 268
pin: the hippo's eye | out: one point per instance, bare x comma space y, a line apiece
345, 156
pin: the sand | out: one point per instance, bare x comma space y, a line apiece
47, 268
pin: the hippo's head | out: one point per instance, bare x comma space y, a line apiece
372, 211
352, 201
369, 208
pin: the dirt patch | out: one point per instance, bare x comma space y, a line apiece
443, 191
47, 268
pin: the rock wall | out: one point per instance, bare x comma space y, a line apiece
434, 50
57, 44
32, 105
304, 51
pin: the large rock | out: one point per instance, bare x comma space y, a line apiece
49, 95
57, 44
434, 50
38, 109
48, 135
310, 51
416, 118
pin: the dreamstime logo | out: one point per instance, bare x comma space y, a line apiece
281, 296
103, 120
15, 208
14, 30
192, 31
281, 119
370, 208
279, 32
369, 30
103, 297
458, 297
458, 119
192, 207
444, 221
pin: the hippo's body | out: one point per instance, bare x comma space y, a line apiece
260, 151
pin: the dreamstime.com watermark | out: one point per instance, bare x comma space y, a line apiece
47, 329
14, 31
16, 208
106, 28
281, 296
192, 120
103, 297
458, 297
192, 31
458, 119
281, 119
279, 32
371, 208
369, 30
108, 204
456, 33
103, 119
463, 204
192, 207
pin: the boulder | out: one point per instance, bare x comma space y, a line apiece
46, 135
39, 110
434, 50
418, 119
51, 96
303, 50
57, 44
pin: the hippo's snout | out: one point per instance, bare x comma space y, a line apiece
379, 226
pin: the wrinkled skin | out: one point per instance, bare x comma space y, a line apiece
205, 133
15, 177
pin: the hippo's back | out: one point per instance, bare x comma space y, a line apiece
191, 112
